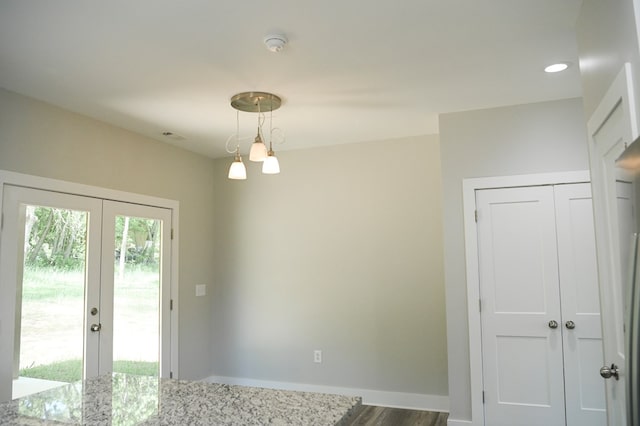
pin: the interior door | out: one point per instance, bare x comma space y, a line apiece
611, 127
580, 302
520, 307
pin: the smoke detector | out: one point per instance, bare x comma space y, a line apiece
275, 42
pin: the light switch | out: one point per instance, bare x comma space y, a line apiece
201, 290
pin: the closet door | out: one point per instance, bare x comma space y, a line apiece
537, 260
580, 301
520, 307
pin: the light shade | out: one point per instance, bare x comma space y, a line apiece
270, 166
237, 169
258, 150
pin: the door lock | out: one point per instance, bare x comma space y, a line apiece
96, 327
608, 372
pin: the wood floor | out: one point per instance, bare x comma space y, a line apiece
370, 415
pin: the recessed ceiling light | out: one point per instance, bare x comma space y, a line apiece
557, 67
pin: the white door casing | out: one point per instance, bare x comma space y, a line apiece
611, 126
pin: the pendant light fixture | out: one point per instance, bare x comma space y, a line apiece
270, 165
257, 102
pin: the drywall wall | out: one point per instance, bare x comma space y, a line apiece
607, 38
39, 139
525, 139
340, 252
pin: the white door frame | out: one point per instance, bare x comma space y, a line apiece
47, 184
469, 187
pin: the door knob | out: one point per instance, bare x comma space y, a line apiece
553, 324
96, 327
608, 372
570, 325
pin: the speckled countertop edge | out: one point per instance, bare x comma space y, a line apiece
180, 402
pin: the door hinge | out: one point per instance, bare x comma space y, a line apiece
172, 233
483, 397
171, 304
171, 374
480, 305
475, 213
1, 221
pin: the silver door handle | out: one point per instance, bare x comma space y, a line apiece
608, 372
553, 324
570, 325
96, 327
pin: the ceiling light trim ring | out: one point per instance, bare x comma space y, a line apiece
256, 102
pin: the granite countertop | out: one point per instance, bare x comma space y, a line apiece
120, 399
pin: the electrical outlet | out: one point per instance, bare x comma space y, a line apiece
317, 356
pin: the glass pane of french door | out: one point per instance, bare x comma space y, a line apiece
49, 266
53, 287
136, 296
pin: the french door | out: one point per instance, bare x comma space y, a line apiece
86, 283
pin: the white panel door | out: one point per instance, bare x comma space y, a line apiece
580, 302
520, 314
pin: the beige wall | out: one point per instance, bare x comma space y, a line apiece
42, 140
340, 252
607, 38
534, 138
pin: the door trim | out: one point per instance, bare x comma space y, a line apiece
54, 185
469, 187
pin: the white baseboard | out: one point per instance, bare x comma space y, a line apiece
452, 422
413, 401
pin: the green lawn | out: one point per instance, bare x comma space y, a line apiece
51, 284
71, 370
53, 318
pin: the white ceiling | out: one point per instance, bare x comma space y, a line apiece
353, 70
